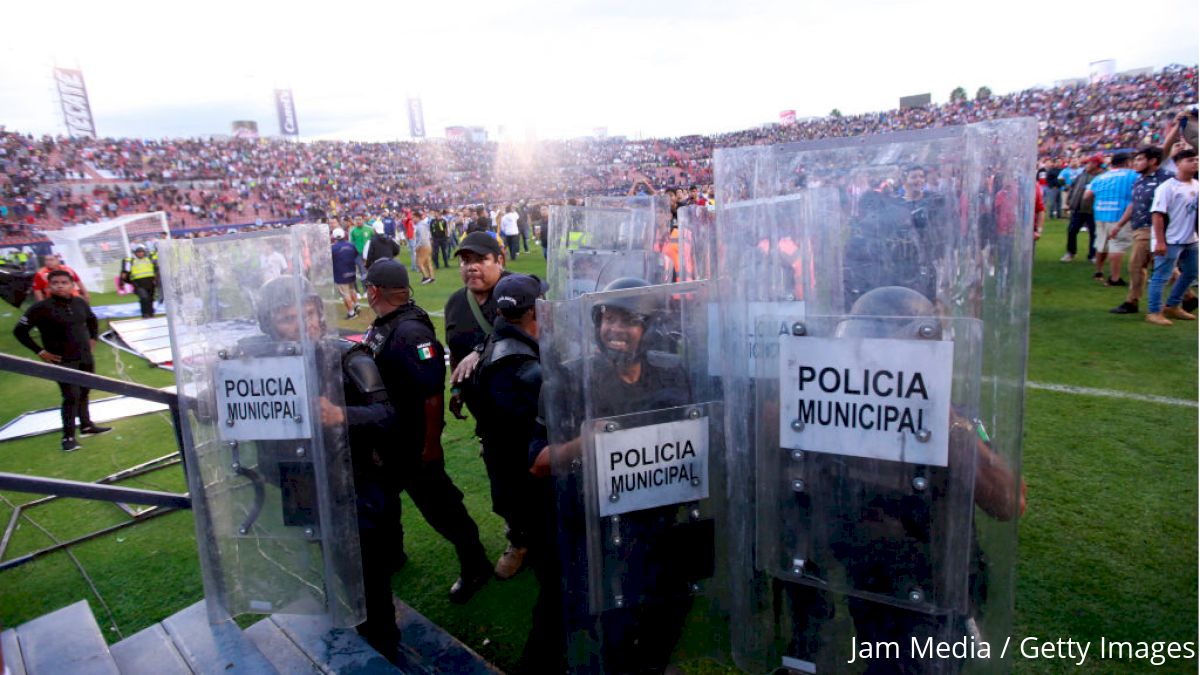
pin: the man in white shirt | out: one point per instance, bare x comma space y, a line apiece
510, 231
1173, 239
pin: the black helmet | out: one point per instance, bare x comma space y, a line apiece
890, 312
281, 292
641, 307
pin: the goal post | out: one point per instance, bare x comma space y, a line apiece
95, 250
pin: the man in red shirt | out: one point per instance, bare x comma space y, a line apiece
41, 280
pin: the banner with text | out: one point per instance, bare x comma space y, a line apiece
285, 107
77, 112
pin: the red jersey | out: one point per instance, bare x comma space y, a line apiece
41, 280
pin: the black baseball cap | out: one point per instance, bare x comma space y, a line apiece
518, 292
481, 243
387, 273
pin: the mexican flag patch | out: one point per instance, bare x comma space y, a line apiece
425, 351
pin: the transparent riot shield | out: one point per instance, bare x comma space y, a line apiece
634, 422
696, 238
589, 270
885, 500
624, 240
256, 363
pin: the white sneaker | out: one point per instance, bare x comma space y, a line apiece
1067, 257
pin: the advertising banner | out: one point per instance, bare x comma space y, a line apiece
77, 112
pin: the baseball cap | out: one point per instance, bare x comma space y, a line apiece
481, 243
518, 291
1095, 159
339, 233
387, 273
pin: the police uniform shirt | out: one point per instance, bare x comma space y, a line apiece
412, 363
66, 326
510, 385
658, 387
463, 332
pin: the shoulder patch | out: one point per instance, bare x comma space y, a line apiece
425, 351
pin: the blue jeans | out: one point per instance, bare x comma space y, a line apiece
360, 267
412, 254
1164, 265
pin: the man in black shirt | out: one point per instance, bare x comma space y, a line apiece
411, 362
506, 386
469, 315
68, 329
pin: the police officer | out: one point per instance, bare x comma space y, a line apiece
69, 330
141, 272
880, 533
368, 416
641, 637
411, 360
507, 382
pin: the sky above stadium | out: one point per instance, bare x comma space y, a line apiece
552, 69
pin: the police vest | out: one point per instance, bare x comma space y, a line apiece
140, 268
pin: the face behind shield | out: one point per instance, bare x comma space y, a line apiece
623, 325
278, 314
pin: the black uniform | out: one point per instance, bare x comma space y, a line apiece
656, 547
66, 327
412, 364
463, 332
507, 382
370, 419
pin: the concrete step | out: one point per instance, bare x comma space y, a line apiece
12, 652
219, 649
280, 650
64, 642
149, 652
333, 650
434, 650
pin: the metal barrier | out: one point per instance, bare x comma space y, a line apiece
103, 489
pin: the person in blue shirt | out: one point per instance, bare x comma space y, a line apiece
1109, 194
345, 257
1147, 162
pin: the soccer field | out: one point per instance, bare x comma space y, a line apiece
1108, 546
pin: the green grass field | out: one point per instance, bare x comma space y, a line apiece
1108, 546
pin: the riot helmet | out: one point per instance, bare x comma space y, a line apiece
891, 312
277, 307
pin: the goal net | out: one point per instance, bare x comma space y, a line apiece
95, 251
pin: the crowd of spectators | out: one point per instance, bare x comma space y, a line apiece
48, 183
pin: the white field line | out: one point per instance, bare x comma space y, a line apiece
1112, 393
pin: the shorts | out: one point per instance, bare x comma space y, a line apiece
1111, 244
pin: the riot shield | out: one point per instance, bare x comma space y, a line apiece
697, 243
256, 362
885, 501
589, 270
634, 423
590, 247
